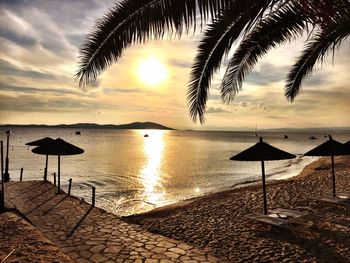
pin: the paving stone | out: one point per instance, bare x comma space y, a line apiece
159, 250
101, 236
85, 254
113, 249
165, 244
178, 250
171, 254
97, 248
98, 258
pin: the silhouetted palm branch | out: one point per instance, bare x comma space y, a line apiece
216, 43
286, 23
324, 41
132, 22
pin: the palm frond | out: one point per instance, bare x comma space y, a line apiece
284, 24
132, 22
216, 43
325, 40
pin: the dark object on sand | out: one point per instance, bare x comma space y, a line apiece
77, 133
285, 136
38, 143
312, 138
58, 147
329, 148
262, 152
347, 147
146, 135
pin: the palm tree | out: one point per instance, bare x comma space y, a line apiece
256, 25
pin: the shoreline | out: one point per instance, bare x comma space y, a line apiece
237, 187
256, 184
218, 222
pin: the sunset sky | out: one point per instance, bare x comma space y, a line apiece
39, 43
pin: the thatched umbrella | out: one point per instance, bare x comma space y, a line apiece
329, 148
58, 147
262, 152
38, 143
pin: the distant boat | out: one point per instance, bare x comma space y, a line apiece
256, 130
312, 138
146, 135
77, 133
285, 136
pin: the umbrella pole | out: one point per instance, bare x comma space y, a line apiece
45, 172
264, 186
59, 174
333, 175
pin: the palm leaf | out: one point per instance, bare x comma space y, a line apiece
216, 43
325, 40
131, 22
286, 23
135, 22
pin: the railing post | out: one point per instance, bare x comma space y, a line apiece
2, 193
21, 176
69, 185
54, 179
93, 195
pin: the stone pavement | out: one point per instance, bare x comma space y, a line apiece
89, 234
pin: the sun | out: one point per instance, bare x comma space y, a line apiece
152, 72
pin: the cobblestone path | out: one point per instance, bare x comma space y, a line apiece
89, 234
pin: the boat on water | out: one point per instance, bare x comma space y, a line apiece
77, 133
256, 130
312, 138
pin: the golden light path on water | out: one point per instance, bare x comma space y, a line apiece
150, 174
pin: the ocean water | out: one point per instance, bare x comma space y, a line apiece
134, 174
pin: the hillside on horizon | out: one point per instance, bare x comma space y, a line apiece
131, 126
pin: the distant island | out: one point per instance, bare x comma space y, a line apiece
129, 126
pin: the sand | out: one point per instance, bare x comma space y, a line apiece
25, 243
218, 222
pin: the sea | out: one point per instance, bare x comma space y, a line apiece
135, 171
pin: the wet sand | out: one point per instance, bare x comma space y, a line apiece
218, 222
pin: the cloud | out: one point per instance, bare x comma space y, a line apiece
76, 39
7, 68
216, 110
32, 90
266, 74
180, 63
276, 117
19, 39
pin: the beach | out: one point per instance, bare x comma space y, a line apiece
218, 222
210, 228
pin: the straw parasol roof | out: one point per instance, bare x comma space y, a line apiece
329, 148
262, 152
40, 142
58, 147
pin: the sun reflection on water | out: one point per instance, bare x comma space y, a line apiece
151, 171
